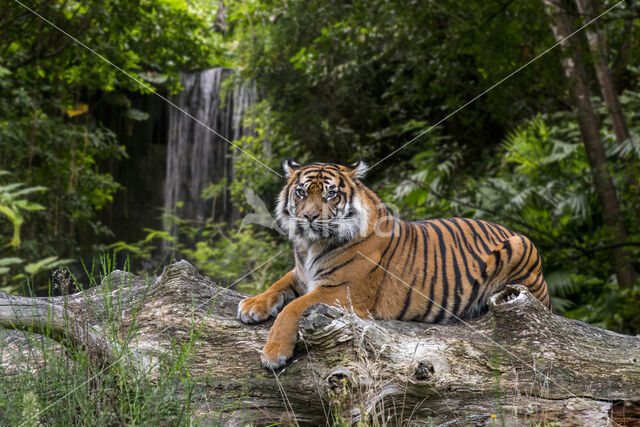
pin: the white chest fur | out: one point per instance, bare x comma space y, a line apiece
306, 268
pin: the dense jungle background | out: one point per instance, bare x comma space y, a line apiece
115, 145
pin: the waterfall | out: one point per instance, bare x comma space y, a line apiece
196, 156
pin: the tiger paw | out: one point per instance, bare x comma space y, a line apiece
275, 355
259, 308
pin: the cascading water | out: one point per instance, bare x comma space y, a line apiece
196, 156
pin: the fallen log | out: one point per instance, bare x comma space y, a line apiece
516, 364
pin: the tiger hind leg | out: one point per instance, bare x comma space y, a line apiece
516, 261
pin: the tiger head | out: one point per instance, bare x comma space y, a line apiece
323, 202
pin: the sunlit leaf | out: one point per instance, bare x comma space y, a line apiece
9, 261
77, 110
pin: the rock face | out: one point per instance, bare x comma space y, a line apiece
518, 364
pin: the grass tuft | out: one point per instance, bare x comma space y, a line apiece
52, 385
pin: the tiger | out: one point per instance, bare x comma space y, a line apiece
350, 251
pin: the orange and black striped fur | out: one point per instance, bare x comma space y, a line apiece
343, 237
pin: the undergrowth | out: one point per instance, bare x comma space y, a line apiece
49, 385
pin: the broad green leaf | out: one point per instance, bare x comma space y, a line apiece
34, 267
28, 191
123, 246
8, 212
29, 206
10, 261
7, 188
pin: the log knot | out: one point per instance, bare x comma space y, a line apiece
340, 380
423, 371
318, 318
326, 326
515, 298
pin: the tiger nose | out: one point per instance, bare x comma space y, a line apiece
311, 215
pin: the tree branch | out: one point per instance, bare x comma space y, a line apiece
44, 318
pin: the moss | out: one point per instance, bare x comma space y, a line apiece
336, 359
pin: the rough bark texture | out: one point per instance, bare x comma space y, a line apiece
517, 364
576, 73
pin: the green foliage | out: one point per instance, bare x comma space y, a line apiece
340, 81
350, 79
150, 40
539, 183
13, 204
50, 89
250, 258
15, 207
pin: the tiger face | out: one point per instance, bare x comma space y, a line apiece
321, 202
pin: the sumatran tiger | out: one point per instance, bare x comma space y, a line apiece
350, 251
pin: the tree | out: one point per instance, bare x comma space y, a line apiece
608, 90
577, 77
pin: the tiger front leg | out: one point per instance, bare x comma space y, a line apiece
283, 333
269, 303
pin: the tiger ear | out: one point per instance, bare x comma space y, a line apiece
290, 166
357, 169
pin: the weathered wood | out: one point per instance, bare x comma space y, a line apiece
517, 364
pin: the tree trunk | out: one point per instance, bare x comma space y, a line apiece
626, 48
597, 45
574, 68
518, 364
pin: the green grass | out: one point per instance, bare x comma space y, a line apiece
68, 389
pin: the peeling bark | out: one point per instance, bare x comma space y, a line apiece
517, 364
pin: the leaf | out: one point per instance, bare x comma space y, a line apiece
8, 212
17, 220
77, 110
29, 206
4, 72
7, 188
136, 115
152, 234
118, 100
9, 261
45, 264
124, 246
28, 190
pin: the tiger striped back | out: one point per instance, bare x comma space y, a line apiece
448, 268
